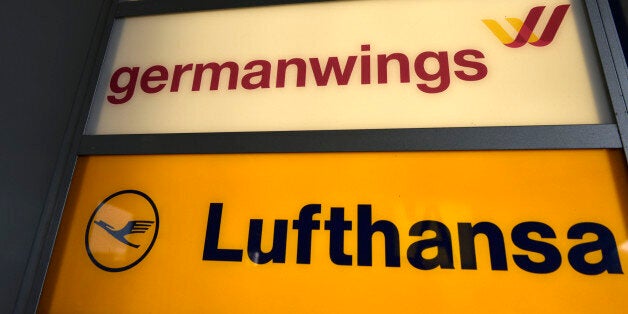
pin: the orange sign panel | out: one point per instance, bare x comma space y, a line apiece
480, 232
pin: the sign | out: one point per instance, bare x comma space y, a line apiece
481, 232
352, 65
108, 246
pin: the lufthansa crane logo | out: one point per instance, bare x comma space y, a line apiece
525, 29
122, 230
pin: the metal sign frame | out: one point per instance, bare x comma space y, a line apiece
600, 136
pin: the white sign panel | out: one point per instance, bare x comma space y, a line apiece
352, 65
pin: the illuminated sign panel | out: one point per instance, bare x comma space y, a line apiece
344, 232
484, 231
351, 65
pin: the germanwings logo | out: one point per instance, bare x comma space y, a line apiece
525, 28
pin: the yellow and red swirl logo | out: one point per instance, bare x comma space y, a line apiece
525, 29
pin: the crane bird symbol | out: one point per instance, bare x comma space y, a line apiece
133, 226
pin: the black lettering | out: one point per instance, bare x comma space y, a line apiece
337, 225
305, 225
211, 252
605, 243
366, 229
278, 252
497, 249
551, 254
442, 240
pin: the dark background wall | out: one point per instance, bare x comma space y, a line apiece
620, 14
44, 47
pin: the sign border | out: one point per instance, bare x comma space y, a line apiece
483, 138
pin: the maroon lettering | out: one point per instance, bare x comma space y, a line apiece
161, 75
382, 67
263, 74
216, 70
365, 61
431, 68
441, 74
342, 76
480, 69
282, 65
176, 75
127, 89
